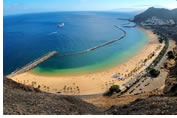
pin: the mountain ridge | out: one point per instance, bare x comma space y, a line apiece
157, 16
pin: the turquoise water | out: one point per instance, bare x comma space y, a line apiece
30, 36
114, 60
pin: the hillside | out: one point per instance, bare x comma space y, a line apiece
157, 16
156, 105
20, 99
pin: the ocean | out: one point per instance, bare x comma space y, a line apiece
27, 37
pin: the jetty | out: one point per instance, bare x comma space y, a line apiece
127, 19
133, 26
127, 25
32, 64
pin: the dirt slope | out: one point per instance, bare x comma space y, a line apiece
20, 99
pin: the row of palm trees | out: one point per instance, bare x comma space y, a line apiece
136, 69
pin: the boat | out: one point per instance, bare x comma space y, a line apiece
61, 25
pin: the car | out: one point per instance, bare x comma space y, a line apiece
59, 92
132, 91
141, 89
156, 89
138, 85
147, 84
136, 93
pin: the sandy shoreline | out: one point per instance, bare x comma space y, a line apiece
93, 83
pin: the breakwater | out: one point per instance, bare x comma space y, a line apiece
32, 64
99, 46
127, 25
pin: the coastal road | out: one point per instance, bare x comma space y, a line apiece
148, 83
163, 58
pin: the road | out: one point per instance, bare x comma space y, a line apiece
149, 83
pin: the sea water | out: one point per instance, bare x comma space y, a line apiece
29, 36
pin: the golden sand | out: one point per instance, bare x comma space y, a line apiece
92, 83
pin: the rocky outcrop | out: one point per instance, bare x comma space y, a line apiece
155, 105
171, 82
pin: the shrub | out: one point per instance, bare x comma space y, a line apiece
171, 55
114, 88
154, 72
165, 65
170, 52
161, 40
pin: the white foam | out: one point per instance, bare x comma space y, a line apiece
52, 33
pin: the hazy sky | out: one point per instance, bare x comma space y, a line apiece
29, 6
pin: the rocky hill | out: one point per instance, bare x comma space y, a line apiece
19, 99
157, 16
155, 105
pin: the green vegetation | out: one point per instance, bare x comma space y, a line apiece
154, 72
171, 55
165, 65
39, 87
161, 39
162, 53
114, 89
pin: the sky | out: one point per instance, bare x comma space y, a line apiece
30, 6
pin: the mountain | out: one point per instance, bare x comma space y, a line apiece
157, 16
174, 12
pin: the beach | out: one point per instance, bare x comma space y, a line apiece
98, 82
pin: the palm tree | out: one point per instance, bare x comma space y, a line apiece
39, 87
64, 89
71, 89
48, 88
